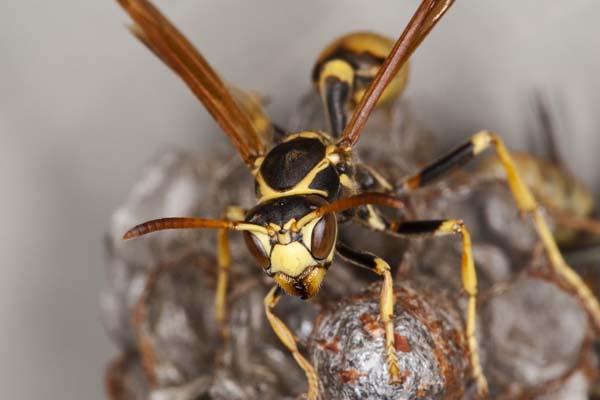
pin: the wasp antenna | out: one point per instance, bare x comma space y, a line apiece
422, 22
175, 223
380, 199
190, 223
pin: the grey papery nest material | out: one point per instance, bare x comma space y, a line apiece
347, 341
158, 307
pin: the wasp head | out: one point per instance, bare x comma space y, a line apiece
297, 257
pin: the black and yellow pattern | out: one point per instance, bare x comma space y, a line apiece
300, 181
346, 68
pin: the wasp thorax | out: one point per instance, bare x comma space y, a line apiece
296, 257
304, 163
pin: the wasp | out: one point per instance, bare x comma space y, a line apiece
307, 182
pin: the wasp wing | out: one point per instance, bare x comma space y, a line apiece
165, 40
422, 22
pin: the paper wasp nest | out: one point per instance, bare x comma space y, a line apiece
159, 305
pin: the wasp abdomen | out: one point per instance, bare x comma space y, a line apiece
344, 71
363, 53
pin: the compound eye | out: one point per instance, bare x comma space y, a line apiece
256, 249
323, 236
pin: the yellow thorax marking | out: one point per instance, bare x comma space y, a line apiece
332, 157
309, 135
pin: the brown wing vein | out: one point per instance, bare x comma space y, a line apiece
422, 22
159, 35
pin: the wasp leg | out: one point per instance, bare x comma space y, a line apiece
386, 304
526, 203
468, 272
146, 349
367, 179
224, 261
286, 337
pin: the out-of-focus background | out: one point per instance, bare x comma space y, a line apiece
83, 105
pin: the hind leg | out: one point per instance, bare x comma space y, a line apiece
525, 201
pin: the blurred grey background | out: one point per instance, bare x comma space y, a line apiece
83, 105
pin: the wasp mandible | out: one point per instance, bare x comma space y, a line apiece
307, 182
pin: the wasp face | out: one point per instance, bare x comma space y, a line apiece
296, 258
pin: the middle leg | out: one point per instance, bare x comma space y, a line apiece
434, 228
525, 202
386, 303
287, 338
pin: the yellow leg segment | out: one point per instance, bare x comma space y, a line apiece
286, 337
386, 302
386, 310
469, 282
224, 261
527, 204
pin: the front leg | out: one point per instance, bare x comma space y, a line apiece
386, 305
232, 213
288, 340
140, 312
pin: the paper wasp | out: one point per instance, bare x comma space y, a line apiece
306, 182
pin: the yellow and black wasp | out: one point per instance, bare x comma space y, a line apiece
308, 182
